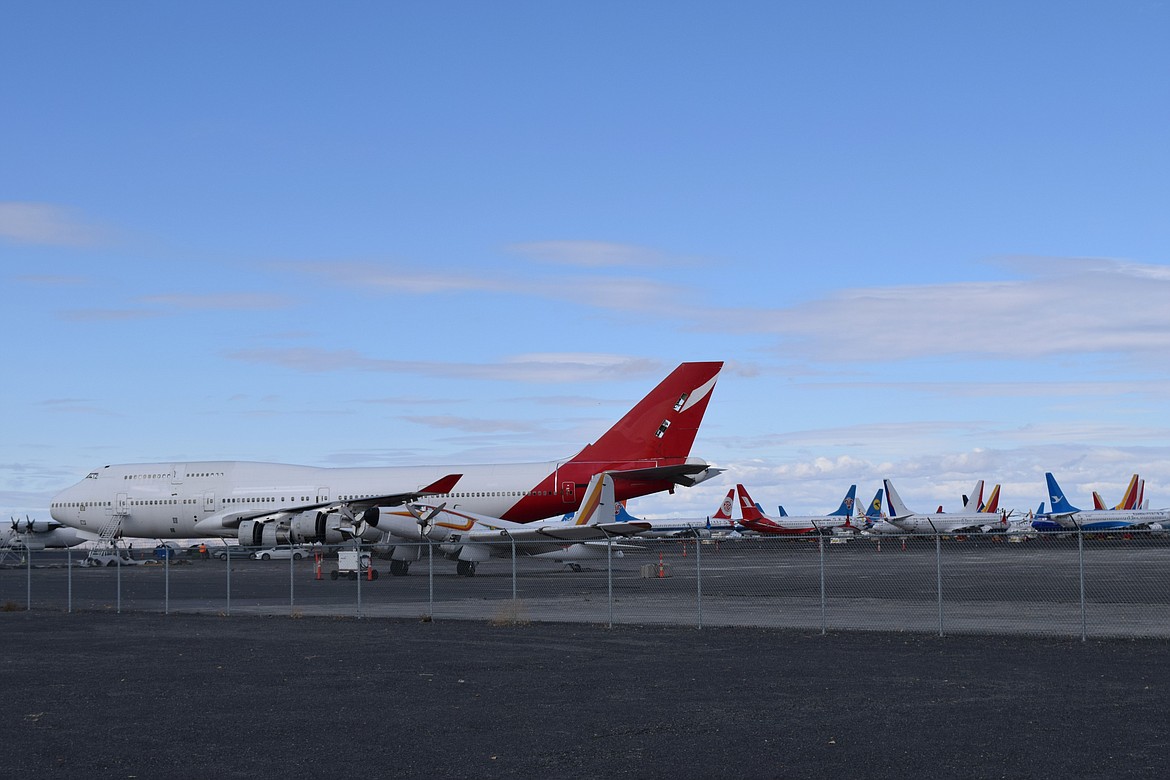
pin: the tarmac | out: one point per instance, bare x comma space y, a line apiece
141, 695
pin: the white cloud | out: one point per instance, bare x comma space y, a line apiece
622, 293
569, 367
43, 223
592, 254
1069, 307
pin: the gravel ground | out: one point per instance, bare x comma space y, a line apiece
139, 695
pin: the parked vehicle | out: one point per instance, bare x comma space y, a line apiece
221, 552
282, 553
350, 565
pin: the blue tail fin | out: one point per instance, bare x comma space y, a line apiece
846, 508
874, 513
622, 516
1060, 505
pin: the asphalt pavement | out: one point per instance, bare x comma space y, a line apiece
94, 694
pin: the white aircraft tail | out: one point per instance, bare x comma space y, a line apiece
894, 502
598, 504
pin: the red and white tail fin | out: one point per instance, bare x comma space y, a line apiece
725, 508
663, 425
746, 506
1129, 499
992, 501
1098, 502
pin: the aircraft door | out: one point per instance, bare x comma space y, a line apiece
322, 495
122, 504
568, 492
209, 502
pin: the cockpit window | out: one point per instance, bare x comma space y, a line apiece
91, 475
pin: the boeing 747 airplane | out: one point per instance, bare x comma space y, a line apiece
647, 451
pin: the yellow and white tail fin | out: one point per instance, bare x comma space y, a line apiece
597, 504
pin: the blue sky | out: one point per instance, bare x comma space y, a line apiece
929, 239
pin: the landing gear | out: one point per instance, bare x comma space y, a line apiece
465, 568
399, 568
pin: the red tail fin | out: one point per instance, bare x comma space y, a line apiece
663, 425
747, 506
724, 512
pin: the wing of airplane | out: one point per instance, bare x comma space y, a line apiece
221, 521
564, 532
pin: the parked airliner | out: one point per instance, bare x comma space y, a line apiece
719, 523
941, 522
647, 451
1066, 517
754, 518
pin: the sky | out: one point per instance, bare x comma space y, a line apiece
929, 240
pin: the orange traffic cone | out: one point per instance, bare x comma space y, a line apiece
318, 557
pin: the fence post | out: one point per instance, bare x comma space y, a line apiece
227, 559
69, 579
821, 545
938, 572
291, 595
28, 578
1081, 572
609, 573
359, 575
431, 578
698, 575
513, 541
118, 558
166, 580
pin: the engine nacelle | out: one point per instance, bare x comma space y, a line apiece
273, 535
308, 527
407, 527
251, 533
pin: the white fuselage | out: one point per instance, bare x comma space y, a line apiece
944, 523
155, 500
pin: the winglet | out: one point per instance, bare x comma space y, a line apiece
441, 486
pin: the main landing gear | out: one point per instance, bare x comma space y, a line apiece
399, 568
465, 568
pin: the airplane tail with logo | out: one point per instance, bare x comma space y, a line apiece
874, 513
724, 512
663, 425
1060, 505
846, 508
750, 510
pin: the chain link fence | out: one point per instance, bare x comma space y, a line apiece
1069, 584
